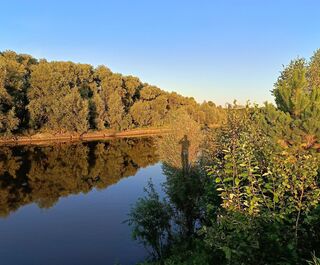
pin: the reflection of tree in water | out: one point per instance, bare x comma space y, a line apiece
185, 177
185, 187
185, 134
160, 224
44, 174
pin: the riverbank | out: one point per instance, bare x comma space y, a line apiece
44, 138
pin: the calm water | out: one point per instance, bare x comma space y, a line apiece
65, 204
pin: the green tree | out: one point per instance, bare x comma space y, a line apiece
297, 92
72, 115
53, 90
35, 98
150, 221
98, 111
116, 117
14, 73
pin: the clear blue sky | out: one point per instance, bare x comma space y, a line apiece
213, 50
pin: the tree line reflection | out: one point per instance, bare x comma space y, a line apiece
41, 175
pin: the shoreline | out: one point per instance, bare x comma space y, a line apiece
45, 138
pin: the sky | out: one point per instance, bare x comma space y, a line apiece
210, 50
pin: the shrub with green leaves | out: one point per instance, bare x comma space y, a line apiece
150, 221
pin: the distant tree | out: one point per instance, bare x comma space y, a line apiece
85, 80
99, 111
9, 122
141, 113
117, 118
213, 115
72, 116
14, 71
132, 87
147, 112
54, 99
149, 93
113, 93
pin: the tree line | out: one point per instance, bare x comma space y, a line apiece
37, 95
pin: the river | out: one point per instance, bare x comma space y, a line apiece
66, 203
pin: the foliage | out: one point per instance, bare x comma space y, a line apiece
256, 179
37, 95
14, 71
297, 93
314, 261
150, 220
169, 145
263, 162
9, 122
185, 192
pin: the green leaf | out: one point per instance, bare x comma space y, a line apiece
227, 252
237, 181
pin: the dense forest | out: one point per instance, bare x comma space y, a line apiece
37, 95
251, 193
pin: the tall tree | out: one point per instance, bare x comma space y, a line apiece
297, 93
14, 71
50, 82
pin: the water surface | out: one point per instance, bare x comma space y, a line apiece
65, 204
